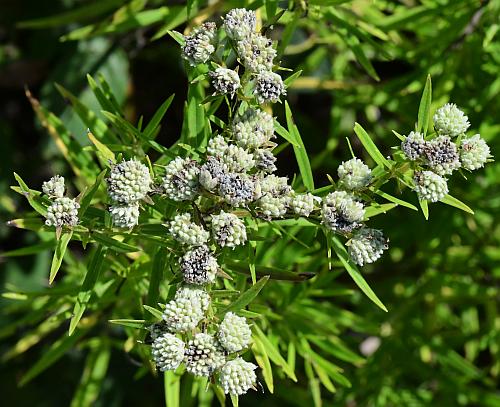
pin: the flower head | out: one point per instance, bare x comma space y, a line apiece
236, 189
187, 232
474, 152
237, 377
211, 173
354, 174
125, 216
199, 266
366, 246
54, 187
413, 146
181, 179
186, 310
256, 53
269, 87
234, 333
62, 212
442, 155
168, 352
341, 212
217, 146
129, 181
304, 204
450, 120
225, 81
203, 355
238, 159
253, 128
199, 46
240, 23
430, 186
228, 230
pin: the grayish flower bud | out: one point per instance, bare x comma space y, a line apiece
228, 230
256, 53
199, 46
54, 187
269, 87
414, 146
240, 23
62, 212
203, 355
225, 81
125, 216
341, 212
236, 189
199, 266
181, 179
442, 155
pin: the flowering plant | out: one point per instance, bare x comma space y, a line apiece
173, 230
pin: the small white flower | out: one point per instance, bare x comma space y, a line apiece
168, 352
186, 232
199, 46
217, 146
181, 179
228, 230
237, 377
304, 204
413, 146
211, 173
234, 333
253, 128
269, 87
203, 355
430, 186
62, 212
474, 152
129, 181
256, 53
442, 155
354, 174
225, 81
450, 120
125, 216
199, 266
237, 159
186, 310
240, 23
54, 187
341, 212
366, 246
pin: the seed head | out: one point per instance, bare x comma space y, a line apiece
54, 187
354, 174
474, 152
341, 212
199, 46
234, 333
187, 232
203, 355
367, 245
129, 181
450, 120
430, 186
168, 352
62, 212
125, 216
228, 230
181, 179
237, 377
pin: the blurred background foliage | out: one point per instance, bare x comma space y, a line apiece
361, 60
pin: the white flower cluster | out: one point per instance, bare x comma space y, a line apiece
63, 211
367, 245
440, 156
200, 45
128, 183
181, 179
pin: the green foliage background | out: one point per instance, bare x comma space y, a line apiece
362, 61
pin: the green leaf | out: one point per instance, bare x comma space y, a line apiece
57, 259
50, 356
132, 323
89, 194
172, 386
263, 361
157, 117
300, 150
246, 298
284, 133
177, 36
395, 200
155, 312
353, 271
113, 243
33, 199
370, 146
158, 267
425, 208
274, 353
452, 201
424, 110
93, 271
94, 373
288, 81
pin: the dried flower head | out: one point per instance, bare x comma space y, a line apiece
199, 266
269, 87
414, 146
442, 155
225, 81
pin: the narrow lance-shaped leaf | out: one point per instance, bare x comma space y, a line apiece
244, 299
62, 244
354, 272
370, 146
424, 110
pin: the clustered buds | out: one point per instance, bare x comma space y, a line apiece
63, 211
367, 245
444, 152
237, 376
341, 212
128, 183
234, 333
181, 179
225, 81
354, 174
200, 45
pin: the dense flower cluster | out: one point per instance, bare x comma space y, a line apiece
63, 211
443, 153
